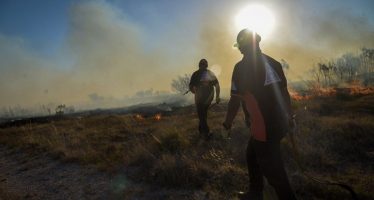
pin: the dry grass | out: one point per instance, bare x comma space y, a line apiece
6, 195
336, 137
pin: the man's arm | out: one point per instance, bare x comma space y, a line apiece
285, 93
235, 100
286, 99
215, 83
232, 110
218, 90
192, 85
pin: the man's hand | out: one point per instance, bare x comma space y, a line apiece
218, 100
226, 125
292, 124
193, 89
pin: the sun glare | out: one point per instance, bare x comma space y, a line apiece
257, 18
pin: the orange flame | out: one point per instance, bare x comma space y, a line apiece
157, 117
296, 96
359, 90
139, 117
352, 90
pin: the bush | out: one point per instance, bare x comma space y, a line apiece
180, 171
172, 141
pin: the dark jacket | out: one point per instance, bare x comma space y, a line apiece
263, 77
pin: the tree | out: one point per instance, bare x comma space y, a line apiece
348, 68
348, 65
284, 64
367, 65
315, 83
181, 83
60, 109
325, 71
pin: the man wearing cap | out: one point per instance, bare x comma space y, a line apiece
201, 84
259, 82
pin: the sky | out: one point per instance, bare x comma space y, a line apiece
65, 51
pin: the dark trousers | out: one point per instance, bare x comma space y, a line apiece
264, 159
202, 111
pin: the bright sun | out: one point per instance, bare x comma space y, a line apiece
256, 18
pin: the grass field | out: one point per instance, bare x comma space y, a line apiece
335, 138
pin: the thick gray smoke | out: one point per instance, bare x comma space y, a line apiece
107, 59
104, 54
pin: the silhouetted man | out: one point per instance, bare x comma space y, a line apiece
201, 84
259, 82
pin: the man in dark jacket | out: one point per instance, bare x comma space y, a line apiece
201, 84
259, 82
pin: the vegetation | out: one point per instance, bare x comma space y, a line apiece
346, 69
335, 138
181, 84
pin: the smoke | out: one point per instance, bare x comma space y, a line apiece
107, 56
310, 37
109, 50
304, 35
24, 76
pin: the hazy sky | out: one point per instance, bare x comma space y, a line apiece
62, 51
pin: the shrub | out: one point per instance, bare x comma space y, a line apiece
180, 171
172, 141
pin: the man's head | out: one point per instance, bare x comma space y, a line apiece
248, 41
203, 64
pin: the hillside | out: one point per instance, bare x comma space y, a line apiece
160, 156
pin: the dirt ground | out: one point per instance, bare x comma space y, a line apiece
37, 176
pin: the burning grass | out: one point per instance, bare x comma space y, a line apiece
342, 92
336, 137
